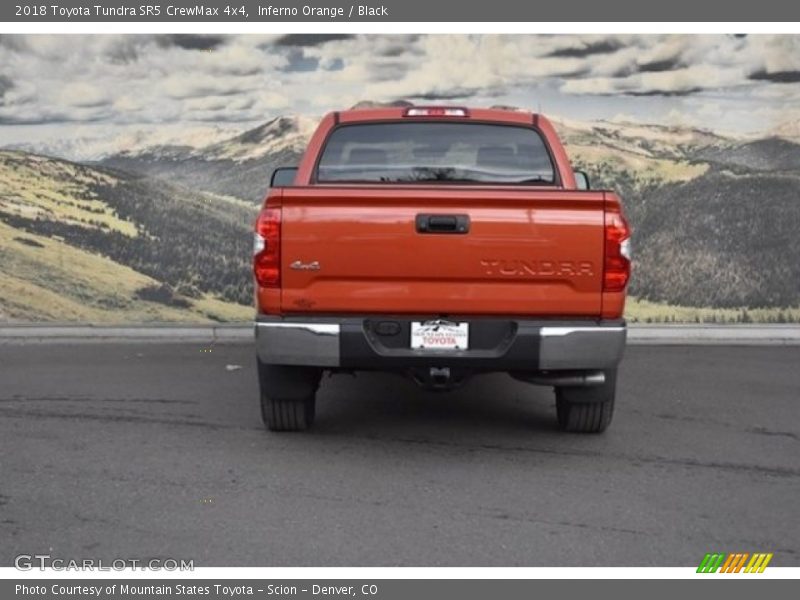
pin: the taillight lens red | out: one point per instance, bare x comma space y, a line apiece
267, 248
617, 263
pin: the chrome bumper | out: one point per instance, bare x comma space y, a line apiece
298, 343
561, 346
578, 347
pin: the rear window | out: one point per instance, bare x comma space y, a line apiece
415, 152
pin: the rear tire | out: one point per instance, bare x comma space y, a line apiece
288, 415
288, 396
587, 409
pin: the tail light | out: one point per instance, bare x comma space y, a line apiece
267, 248
617, 262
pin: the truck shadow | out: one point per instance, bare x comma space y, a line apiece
382, 402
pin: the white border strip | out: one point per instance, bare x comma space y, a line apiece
379, 28
377, 573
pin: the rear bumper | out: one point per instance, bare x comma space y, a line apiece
496, 344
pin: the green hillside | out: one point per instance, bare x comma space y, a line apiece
714, 220
724, 240
80, 243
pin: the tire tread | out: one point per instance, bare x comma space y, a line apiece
587, 410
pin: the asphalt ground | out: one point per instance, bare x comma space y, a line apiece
157, 450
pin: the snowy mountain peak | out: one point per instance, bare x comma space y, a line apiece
278, 134
789, 130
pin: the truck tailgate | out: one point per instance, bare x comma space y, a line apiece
391, 250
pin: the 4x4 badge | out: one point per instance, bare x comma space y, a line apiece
299, 265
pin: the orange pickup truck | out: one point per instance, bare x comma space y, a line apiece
439, 242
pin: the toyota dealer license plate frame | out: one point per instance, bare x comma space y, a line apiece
439, 335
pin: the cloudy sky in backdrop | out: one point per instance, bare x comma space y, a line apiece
113, 91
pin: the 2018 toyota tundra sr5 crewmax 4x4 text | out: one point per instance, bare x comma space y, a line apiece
439, 242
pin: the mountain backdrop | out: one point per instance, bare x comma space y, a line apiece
163, 232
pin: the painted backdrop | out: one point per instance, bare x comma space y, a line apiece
131, 166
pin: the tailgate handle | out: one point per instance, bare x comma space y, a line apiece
442, 223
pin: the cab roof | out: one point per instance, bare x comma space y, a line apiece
439, 113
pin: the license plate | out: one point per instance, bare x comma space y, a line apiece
439, 335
